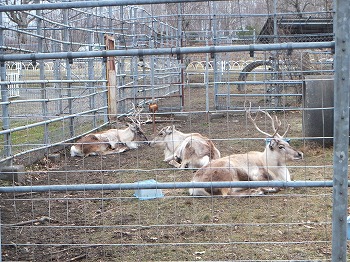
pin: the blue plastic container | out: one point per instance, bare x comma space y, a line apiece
146, 194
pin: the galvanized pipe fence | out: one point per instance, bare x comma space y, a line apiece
157, 185
146, 75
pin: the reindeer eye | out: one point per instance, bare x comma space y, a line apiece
281, 146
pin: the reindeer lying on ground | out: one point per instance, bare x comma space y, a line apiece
113, 140
185, 150
252, 166
109, 142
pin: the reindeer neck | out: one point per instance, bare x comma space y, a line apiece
275, 164
178, 136
126, 134
272, 158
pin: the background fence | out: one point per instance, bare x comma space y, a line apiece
70, 68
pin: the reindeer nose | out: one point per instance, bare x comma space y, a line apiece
300, 155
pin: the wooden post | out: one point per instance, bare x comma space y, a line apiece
111, 80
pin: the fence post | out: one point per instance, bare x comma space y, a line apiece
43, 90
111, 80
4, 107
4, 98
341, 130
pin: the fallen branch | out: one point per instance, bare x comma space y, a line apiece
58, 251
78, 257
41, 220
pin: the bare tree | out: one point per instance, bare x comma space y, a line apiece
297, 6
22, 19
189, 22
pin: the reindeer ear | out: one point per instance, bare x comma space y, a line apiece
170, 129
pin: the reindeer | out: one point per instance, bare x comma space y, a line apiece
111, 141
252, 166
185, 150
195, 151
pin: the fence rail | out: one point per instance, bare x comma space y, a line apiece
80, 67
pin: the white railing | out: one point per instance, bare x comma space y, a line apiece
13, 88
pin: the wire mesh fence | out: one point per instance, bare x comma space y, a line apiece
136, 205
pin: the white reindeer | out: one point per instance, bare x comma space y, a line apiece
252, 166
195, 151
185, 150
109, 142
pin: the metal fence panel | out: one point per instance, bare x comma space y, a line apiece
203, 64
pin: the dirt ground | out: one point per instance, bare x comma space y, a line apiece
113, 225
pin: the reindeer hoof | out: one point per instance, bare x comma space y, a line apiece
258, 192
271, 189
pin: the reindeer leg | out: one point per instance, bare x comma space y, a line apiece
122, 149
225, 192
174, 163
270, 189
117, 150
93, 154
169, 158
242, 192
198, 192
109, 152
263, 191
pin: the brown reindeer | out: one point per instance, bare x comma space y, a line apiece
252, 166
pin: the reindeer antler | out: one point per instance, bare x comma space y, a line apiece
275, 130
287, 129
135, 116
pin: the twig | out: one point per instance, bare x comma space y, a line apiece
100, 214
58, 251
78, 257
39, 220
66, 249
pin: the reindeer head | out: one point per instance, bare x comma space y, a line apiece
139, 135
136, 123
162, 135
282, 150
277, 144
166, 131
